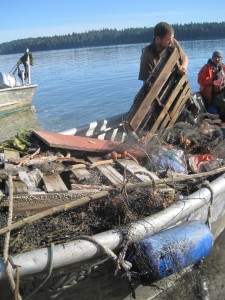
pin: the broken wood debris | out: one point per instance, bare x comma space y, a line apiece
162, 98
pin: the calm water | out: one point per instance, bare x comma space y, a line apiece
81, 85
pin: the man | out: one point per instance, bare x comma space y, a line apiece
211, 80
163, 37
26, 60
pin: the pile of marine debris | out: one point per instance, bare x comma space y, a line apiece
58, 187
59, 194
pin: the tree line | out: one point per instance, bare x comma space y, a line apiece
108, 37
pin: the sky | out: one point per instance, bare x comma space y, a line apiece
39, 18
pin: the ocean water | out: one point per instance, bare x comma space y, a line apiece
77, 86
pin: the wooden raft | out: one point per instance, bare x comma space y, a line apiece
162, 98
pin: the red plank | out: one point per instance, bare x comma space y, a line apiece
72, 142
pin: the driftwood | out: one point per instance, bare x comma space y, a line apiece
56, 209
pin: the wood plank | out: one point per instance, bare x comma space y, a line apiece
10, 154
184, 94
19, 187
175, 113
168, 88
81, 174
167, 106
138, 171
140, 96
76, 142
172, 115
109, 172
154, 91
87, 144
1, 194
143, 174
54, 184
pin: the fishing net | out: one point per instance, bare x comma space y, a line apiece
107, 213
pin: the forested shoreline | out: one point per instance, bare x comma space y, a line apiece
108, 37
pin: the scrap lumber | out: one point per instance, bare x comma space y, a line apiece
109, 172
19, 187
138, 171
78, 143
90, 145
54, 184
145, 176
162, 98
141, 173
81, 174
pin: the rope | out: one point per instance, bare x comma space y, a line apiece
208, 186
14, 69
17, 281
126, 265
107, 251
6, 243
49, 272
121, 261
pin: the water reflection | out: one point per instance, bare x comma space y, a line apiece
11, 124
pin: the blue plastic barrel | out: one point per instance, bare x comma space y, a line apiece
170, 251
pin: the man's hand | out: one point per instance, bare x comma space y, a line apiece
181, 70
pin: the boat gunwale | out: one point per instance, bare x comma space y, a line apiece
18, 87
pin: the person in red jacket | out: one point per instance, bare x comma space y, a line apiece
211, 79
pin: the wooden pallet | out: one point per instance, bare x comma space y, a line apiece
162, 98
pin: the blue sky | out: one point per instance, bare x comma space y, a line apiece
37, 18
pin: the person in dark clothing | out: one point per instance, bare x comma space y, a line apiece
26, 60
163, 37
211, 79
